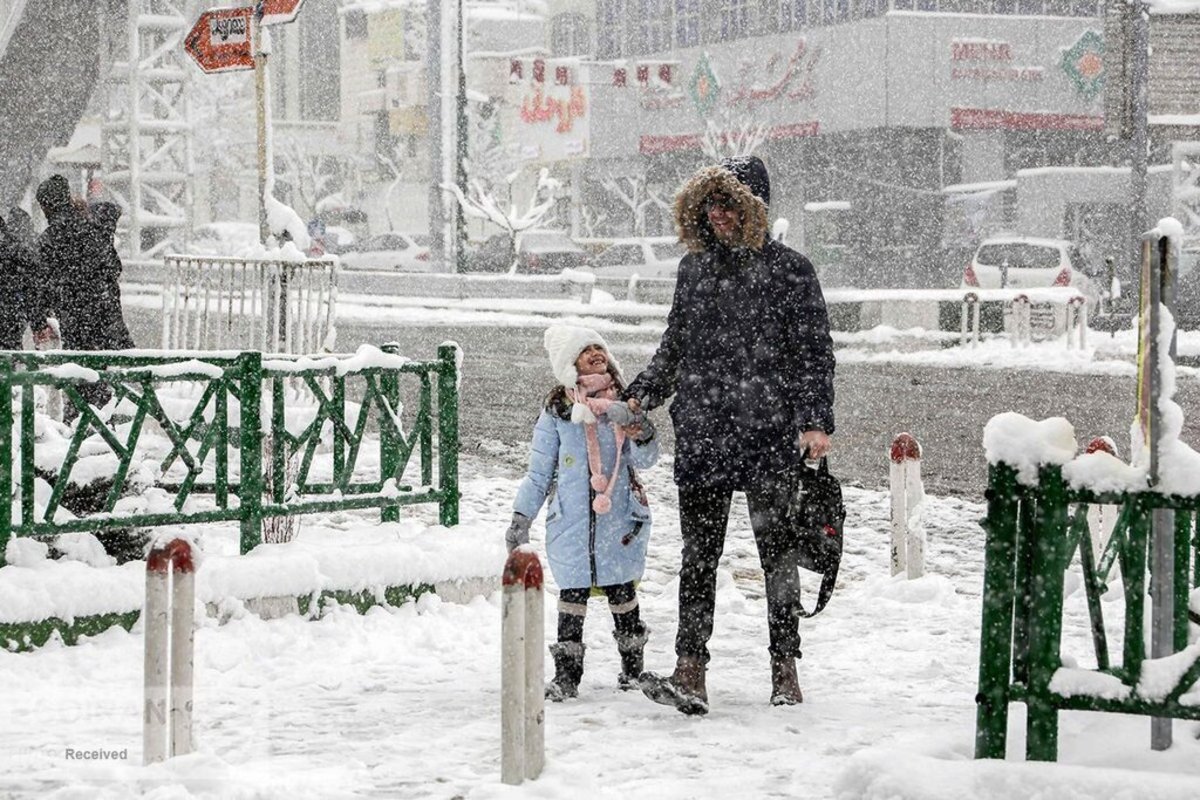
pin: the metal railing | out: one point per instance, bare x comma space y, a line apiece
271, 305
1032, 537
223, 451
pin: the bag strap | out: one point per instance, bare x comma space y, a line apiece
826, 591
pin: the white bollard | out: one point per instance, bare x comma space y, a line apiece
169, 664
1022, 321
522, 671
970, 319
1076, 323
908, 495
1102, 519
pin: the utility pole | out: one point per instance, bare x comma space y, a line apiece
262, 50
433, 87
1139, 149
460, 143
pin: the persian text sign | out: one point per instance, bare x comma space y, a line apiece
551, 120
220, 40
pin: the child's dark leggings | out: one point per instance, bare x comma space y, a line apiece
622, 602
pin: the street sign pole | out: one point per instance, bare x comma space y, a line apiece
261, 101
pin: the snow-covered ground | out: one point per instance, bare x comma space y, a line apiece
404, 703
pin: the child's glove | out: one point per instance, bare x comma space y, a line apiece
621, 414
647, 430
518, 532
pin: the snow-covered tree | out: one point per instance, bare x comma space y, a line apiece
732, 135
483, 205
637, 196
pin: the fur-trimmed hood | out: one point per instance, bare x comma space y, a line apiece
691, 220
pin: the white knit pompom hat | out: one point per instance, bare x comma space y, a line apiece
564, 343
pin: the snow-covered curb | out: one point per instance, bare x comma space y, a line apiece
368, 561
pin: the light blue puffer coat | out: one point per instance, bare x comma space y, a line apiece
585, 548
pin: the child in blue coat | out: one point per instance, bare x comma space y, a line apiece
586, 446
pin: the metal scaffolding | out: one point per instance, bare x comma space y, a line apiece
147, 134
1185, 188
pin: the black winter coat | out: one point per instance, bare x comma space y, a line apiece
83, 275
747, 355
20, 290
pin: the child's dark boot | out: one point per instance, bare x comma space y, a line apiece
568, 671
631, 645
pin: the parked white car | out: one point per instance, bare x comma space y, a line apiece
656, 257
1023, 262
406, 252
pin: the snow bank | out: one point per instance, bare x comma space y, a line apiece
322, 557
1026, 444
879, 774
1103, 472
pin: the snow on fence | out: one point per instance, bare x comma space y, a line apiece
170, 650
1039, 526
201, 430
271, 305
907, 499
522, 689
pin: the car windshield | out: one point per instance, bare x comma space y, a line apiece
668, 251
1018, 255
422, 239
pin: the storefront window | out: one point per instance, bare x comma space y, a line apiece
734, 18
792, 14
569, 35
610, 17
687, 23
648, 26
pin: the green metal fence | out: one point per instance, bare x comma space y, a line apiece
230, 454
1033, 534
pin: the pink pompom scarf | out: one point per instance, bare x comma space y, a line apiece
595, 394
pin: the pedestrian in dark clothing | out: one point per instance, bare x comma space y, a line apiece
20, 282
82, 270
748, 357
82, 277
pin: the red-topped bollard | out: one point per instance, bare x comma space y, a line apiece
1022, 320
908, 497
1102, 519
170, 643
522, 669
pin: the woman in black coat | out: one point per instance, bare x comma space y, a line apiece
748, 358
20, 280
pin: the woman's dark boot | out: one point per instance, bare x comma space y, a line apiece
631, 646
685, 689
785, 688
568, 671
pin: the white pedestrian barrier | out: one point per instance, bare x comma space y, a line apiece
169, 664
271, 305
522, 669
908, 498
1076, 323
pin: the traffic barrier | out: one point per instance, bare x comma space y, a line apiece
271, 305
907, 499
170, 650
522, 669
216, 438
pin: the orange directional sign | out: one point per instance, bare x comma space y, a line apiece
220, 40
275, 12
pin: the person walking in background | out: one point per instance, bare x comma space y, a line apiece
586, 448
748, 357
20, 281
82, 277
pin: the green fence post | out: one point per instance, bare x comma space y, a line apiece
448, 434
1183, 530
1134, 560
6, 452
389, 433
995, 641
27, 472
277, 441
250, 487
1026, 521
1045, 618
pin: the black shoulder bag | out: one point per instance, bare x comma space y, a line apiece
816, 519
